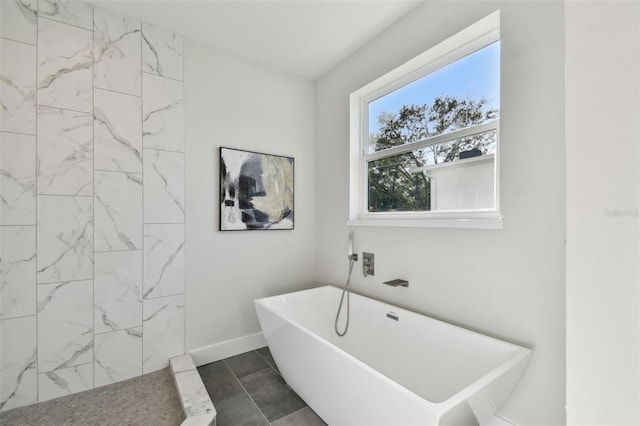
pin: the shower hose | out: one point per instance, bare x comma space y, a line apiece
346, 289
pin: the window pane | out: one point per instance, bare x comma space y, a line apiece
393, 187
459, 95
454, 175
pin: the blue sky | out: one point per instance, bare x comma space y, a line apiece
476, 75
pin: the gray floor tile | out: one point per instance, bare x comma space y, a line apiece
265, 351
246, 363
272, 362
219, 381
239, 411
303, 417
272, 395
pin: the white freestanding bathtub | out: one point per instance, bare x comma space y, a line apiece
396, 369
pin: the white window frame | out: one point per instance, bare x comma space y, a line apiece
475, 37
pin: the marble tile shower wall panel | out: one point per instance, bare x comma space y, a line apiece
162, 52
118, 356
65, 338
117, 53
18, 270
163, 260
65, 325
57, 383
163, 186
19, 21
19, 355
65, 152
18, 179
117, 131
162, 331
70, 12
163, 113
18, 87
118, 211
118, 290
65, 66
65, 238
92, 199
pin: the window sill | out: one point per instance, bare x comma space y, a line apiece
429, 223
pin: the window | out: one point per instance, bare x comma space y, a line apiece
425, 137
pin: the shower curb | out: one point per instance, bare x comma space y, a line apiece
196, 404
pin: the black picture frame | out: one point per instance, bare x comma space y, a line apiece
256, 191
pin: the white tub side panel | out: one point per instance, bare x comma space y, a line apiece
339, 390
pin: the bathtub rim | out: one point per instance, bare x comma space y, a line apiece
520, 354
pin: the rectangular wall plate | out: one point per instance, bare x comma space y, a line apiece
368, 264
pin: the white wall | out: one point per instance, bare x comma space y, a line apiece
508, 283
231, 103
603, 328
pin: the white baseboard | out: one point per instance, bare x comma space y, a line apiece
222, 350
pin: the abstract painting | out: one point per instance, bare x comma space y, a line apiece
256, 191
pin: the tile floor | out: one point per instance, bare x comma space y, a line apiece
247, 390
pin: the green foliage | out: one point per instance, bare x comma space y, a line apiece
392, 184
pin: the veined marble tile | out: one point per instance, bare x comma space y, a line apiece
161, 52
118, 211
65, 381
163, 113
65, 152
117, 53
118, 290
18, 362
65, 325
18, 87
17, 179
118, 356
163, 186
194, 397
181, 363
163, 260
19, 20
18, 270
163, 331
117, 131
76, 13
65, 66
65, 238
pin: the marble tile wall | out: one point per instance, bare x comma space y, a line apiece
92, 199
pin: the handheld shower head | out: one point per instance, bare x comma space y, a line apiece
350, 254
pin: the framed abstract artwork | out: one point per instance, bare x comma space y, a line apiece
256, 191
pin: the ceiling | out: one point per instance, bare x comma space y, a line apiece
303, 37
